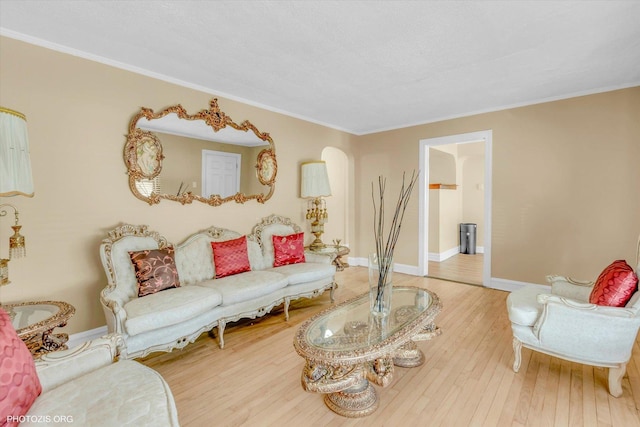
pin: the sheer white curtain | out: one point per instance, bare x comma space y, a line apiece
15, 164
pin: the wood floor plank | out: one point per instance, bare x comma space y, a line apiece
466, 380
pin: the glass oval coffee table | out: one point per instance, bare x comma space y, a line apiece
346, 349
35, 321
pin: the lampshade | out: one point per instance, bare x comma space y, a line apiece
315, 180
15, 164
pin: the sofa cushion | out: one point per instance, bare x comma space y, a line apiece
267, 243
194, 260
155, 270
288, 249
305, 272
615, 285
124, 393
230, 257
246, 286
168, 307
19, 383
523, 306
255, 256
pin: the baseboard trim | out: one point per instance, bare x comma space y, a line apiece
513, 285
82, 337
441, 256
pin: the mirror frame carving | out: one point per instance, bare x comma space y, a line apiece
266, 164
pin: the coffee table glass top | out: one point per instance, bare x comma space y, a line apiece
36, 316
349, 327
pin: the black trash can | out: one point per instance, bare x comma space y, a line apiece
468, 238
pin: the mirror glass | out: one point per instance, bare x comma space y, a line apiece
204, 157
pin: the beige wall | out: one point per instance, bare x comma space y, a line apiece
78, 112
566, 183
471, 161
566, 180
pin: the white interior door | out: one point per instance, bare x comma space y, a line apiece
220, 173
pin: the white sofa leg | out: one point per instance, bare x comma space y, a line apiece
221, 325
334, 285
517, 353
287, 301
615, 380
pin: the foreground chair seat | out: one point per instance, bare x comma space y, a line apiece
86, 386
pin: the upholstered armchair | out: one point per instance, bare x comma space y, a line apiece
561, 322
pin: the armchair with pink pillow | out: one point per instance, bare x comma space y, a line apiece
83, 386
590, 322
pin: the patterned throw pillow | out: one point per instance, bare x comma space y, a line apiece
19, 383
230, 257
155, 270
615, 285
288, 249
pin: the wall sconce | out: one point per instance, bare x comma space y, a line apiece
15, 177
314, 185
17, 248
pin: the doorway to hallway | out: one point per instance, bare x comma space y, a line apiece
443, 207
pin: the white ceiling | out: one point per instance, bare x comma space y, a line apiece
359, 66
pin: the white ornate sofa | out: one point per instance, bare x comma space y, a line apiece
175, 317
84, 386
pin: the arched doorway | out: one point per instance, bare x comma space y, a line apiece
337, 205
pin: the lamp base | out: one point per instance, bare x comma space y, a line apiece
317, 244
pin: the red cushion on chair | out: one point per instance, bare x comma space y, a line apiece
230, 257
615, 285
288, 249
19, 383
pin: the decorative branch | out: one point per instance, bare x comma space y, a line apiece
385, 249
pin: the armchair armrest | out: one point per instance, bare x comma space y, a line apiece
59, 367
319, 258
569, 287
587, 332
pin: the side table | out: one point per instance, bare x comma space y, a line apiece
35, 321
338, 251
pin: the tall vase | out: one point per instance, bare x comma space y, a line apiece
380, 285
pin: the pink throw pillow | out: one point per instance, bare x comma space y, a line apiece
155, 270
230, 257
615, 285
19, 383
288, 249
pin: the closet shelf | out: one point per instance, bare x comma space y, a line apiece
442, 186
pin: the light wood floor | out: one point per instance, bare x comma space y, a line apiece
459, 268
466, 379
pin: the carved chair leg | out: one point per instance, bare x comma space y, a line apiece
221, 325
615, 380
517, 353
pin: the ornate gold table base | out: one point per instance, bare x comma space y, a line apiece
357, 401
46, 342
35, 321
351, 393
347, 350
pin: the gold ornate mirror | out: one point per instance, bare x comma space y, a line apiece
205, 157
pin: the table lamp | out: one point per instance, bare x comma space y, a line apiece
15, 178
314, 185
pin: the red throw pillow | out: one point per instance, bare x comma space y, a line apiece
615, 285
230, 257
288, 249
19, 383
155, 270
